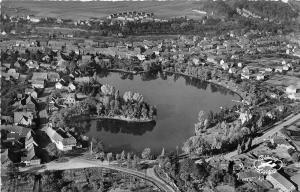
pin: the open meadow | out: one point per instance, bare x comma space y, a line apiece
82, 10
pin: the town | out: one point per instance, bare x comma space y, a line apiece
52, 81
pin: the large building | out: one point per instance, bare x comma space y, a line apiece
63, 140
281, 183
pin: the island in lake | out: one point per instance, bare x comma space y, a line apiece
96, 101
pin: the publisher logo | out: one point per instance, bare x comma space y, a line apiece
267, 164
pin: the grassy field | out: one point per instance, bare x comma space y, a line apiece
77, 10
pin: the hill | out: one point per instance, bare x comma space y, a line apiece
79, 10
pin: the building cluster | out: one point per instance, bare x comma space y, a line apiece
133, 16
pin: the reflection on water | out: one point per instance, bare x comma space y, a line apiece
118, 126
178, 100
189, 81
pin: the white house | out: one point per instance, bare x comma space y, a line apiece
63, 140
58, 85
71, 87
225, 66
285, 67
260, 76
293, 92
278, 69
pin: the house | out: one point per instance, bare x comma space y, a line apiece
17, 64
82, 79
70, 99
13, 73
285, 67
296, 180
224, 66
260, 76
21, 136
232, 70
248, 174
53, 76
71, 87
280, 141
293, 92
28, 103
38, 84
4, 157
86, 59
58, 85
32, 64
278, 69
245, 73
268, 69
38, 76
280, 182
31, 92
30, 157
23, 118
63, 140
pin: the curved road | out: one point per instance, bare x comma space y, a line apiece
78, 163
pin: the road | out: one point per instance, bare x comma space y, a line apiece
268, 134
275, 129
79, 163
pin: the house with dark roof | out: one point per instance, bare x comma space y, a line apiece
21, 137
30, 158
63, 140
27, 103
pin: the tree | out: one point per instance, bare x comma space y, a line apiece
216, 177
296, 157
118, 156
98, 145
137, 97
229, 179
162, 152
123, 155
135, 161
100, 108
109, 157
146, 153
128, 96
128, 156
117, 95
107, 89
239, 149
196, 145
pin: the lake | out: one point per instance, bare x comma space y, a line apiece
178, 100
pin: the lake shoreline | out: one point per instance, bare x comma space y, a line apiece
231, 88
120, 118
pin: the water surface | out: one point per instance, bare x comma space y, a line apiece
178, 100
